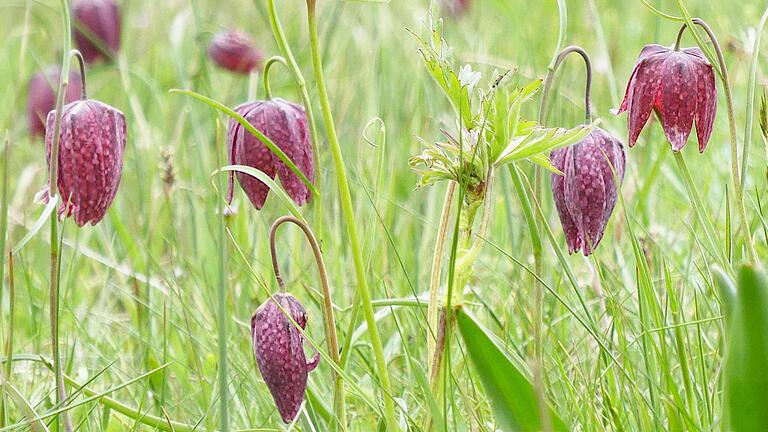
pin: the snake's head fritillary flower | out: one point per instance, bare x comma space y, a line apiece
234, 51
91, 147
284, 123
279, 349
97, 28
41, 96
680, 86
586, 193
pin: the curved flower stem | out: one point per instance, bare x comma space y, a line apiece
736, 177
53, 191
546, 87
434, 278
267, 66
346, 203
277, 30
329, 321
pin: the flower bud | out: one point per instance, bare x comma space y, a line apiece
284, 123
279, 349
586, 193
41, 96
91, 147
97, 28
680, 86
234, 50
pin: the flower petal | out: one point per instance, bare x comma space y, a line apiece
678, 103
643, 94
706, 96
572, 238
290, 132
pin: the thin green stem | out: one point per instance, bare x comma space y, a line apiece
53, 192
285, 49
328, 317
751, 98
346, 203
699, 209
434, 278
732, 134
267, 67
221, 314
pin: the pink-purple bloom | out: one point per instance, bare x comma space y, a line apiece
41, 96
679, 85
97, 28
91, 147
235, 51
279, 349
586, 193
456, 8
285, 124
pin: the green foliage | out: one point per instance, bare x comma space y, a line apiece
746, 372
510, 391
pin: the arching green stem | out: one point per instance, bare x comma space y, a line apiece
547, 85
349, 216
328, 321
736, 177
267, 67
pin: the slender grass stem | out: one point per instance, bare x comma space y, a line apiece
53, 191
221, 313
346, 203
732, 134
434, 278
329, 323
285, 49
700, 210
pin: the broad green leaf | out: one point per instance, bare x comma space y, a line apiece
267, 180
746, 370
509, 390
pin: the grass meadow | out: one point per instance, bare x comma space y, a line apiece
661, 328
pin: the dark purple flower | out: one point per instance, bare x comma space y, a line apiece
679, 86
586, 194
234, 50
279, 349
284, 123
41, 96
97, 28
91, 147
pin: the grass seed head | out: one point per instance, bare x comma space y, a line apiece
586, 194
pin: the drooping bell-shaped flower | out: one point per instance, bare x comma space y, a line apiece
235, 51
586, 194
91, 147
279, 349
41, 96
680, 86
284, 123
97, 28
